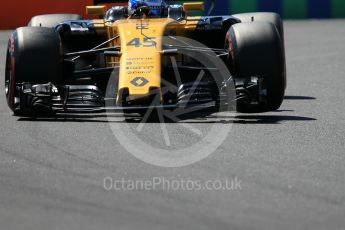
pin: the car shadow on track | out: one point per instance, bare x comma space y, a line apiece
299, 98
269, 119
212, 119
87, 118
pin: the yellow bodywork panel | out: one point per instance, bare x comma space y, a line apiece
140, 63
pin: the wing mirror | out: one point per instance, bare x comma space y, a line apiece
98, 10
193, 6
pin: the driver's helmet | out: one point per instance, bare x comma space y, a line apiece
156, 6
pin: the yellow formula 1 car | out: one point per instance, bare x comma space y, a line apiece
145, 56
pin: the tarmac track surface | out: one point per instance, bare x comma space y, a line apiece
290, 162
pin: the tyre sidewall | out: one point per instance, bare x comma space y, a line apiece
10, 73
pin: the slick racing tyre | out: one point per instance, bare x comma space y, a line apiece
256, 49
50, 20
33, 56
273, 18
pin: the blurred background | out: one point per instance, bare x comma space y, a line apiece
17, 13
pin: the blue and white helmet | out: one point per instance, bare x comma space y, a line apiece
156, 6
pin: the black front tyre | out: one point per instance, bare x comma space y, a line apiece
33, 56
270, 17
256, 49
